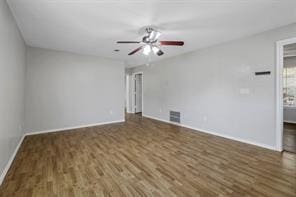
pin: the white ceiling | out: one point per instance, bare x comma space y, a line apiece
93, 26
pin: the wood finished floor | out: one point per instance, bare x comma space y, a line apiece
290, 137
144, 157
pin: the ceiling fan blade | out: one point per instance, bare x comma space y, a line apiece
160, 52
136, 50
172, 43
127, 42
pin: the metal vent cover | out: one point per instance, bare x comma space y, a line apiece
175, 116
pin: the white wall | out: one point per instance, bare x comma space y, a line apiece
209, 87
69, 90
12, 74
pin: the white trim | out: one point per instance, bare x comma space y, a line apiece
75, 127
290, 121
127, 96
2, 177
215, 133
133, 91
279, 90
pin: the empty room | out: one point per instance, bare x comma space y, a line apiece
147, 98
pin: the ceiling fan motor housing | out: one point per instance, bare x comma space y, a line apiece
147, 40
151, 36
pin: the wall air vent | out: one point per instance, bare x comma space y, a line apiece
175, 116
263, 73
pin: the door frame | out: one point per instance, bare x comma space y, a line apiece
279, 90
133, 91
127, 93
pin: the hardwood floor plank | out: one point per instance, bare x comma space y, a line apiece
289, 136
144, 157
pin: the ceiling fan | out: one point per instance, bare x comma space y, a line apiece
151, 43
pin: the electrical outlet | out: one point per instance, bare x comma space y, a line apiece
20, 128
111, 112
205, 118
160, 110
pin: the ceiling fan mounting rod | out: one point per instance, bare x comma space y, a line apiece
149, 30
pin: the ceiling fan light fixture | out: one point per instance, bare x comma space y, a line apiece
147, 50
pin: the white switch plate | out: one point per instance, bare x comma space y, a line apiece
244, 91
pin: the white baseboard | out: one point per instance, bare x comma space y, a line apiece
11, 160
75, 127
216, 134
290, 121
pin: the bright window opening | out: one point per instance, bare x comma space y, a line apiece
290, 86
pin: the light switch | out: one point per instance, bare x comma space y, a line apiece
244, 91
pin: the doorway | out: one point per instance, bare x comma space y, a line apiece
138, 93
286, 95
289, 98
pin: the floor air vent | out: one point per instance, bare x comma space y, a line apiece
175, 116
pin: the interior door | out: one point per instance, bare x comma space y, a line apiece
138, 93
